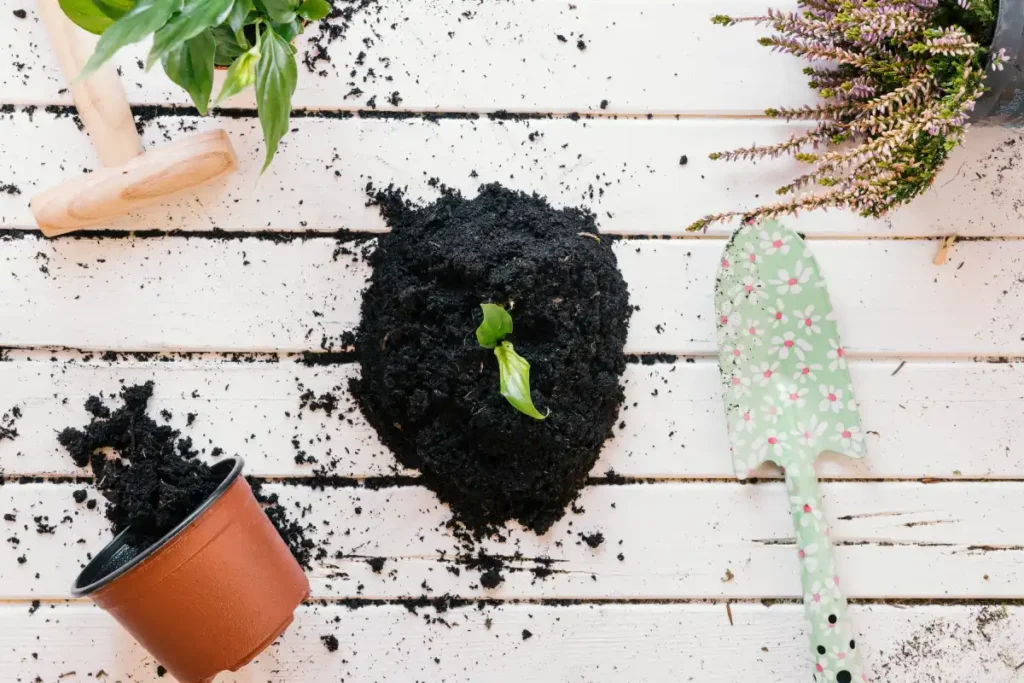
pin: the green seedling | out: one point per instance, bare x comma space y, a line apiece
513, 369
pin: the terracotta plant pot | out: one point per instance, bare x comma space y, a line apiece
210, 595
1003, 103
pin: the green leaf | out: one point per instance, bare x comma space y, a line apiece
281, 11
116, 8
195, 17
190, 65
497, 324
290, 30
239, 14
228, 47
514, 373
144, 18
276, 77
87, 14
314, 10
240, 76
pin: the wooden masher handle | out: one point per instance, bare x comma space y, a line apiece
100, 99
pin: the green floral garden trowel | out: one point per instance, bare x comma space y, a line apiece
788, 397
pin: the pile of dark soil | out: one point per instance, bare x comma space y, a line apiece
432, 391
153, 480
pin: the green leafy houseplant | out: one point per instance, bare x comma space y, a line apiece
513, 369
251, 38
899, 80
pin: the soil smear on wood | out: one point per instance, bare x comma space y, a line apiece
8, 430
150, 475
432, 392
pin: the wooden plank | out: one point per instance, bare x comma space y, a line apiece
610, 643
930, 419
453, 55
626, 171
255, 295
676, 541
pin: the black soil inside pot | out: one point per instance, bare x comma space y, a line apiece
149, 473
433, 393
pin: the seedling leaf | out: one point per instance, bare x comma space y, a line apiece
514, 371
497, 324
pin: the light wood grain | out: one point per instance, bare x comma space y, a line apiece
896, 540
150, 178
626, 171
174, 293
100, 99
930, 419
641, 56
579, 643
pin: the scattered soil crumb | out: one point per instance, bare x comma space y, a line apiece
330, 29
330, 642
8, 430
951, 650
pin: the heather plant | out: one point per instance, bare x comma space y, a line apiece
899, 80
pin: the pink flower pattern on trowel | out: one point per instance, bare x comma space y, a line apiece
789, 397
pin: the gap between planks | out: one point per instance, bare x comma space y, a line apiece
423, 602
279, 235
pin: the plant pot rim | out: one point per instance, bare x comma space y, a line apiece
233, 465
1009, 35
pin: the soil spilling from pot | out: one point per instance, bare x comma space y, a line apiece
432, 392
149, 473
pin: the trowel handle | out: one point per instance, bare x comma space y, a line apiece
100, 99
834, 645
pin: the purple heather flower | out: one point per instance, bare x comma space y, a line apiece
865, 139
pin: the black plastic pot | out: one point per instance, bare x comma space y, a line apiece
1003, 104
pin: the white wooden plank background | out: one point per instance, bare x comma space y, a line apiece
256, 295
627, 171
646, 643
947, 414
902, 540
920, 422
641, 55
